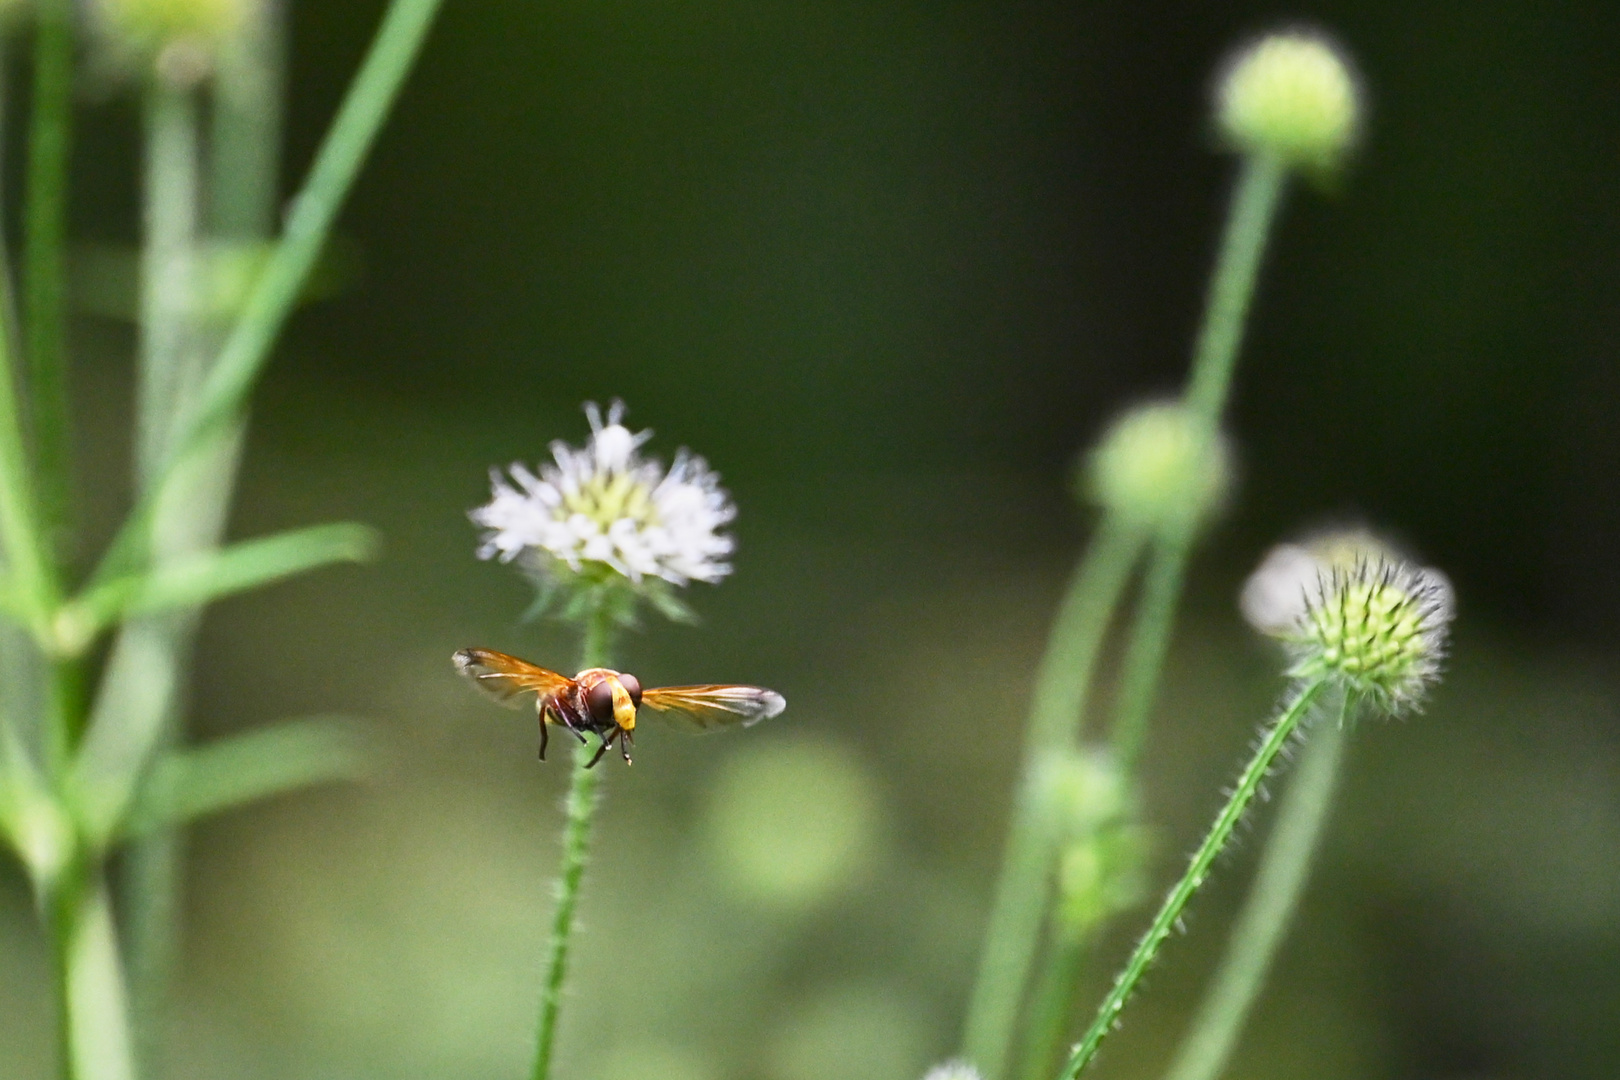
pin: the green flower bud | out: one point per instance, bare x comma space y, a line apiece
179, 34
1378, 628
1161, 467
1291, 95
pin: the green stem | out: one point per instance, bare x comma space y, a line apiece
1268, 911
170, 351
172, 361
28, 564
50, 146
94, 1031
276, 289
1051, 1010
1148, 643
1170, 912
597, 652
249, 84
1022, 891
243, 171
1255, 201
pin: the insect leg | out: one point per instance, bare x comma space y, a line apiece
600, 750
624, 745
543, 734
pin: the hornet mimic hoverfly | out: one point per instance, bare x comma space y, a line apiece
605, 702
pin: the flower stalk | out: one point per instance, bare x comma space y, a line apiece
1275, 738
1269, 909
1062, 686
50, 145
600, 628
1288, 104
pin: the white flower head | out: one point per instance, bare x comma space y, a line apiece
604, 511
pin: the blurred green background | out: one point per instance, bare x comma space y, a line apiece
890, 265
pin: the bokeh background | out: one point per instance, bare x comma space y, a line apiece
890, 266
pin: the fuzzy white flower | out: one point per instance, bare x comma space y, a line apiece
606, 504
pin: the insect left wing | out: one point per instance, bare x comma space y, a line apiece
504, 677
704, 708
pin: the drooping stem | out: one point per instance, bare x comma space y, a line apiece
1170, 911
45, 212
1022, 891
1268, 911
600, 629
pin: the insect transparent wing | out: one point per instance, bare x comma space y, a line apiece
506, 678
705, 708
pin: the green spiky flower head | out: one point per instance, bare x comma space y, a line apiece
1291, 95
1378, 628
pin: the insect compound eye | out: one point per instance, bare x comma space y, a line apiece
632, 686
599, 702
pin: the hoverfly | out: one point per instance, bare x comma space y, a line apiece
604, 702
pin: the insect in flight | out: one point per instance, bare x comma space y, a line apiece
604, 702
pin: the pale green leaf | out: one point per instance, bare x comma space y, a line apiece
212, 575
198, 781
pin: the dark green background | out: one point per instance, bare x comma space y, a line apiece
890, 267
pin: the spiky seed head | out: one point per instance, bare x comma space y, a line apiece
1160, 466
1378, 628
1291, 95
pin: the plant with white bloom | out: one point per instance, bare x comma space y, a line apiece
604, 515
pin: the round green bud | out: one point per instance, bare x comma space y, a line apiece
1291, 95
1160, 466
1378, 628
179, 34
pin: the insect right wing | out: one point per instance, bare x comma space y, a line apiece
505, 678
704, 708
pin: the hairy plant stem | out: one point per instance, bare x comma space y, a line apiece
45, 211
1170, 911
276, 289
1022, 891
1268, 911
600, 629
1256, 198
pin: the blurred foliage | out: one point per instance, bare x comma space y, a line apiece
889, 266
